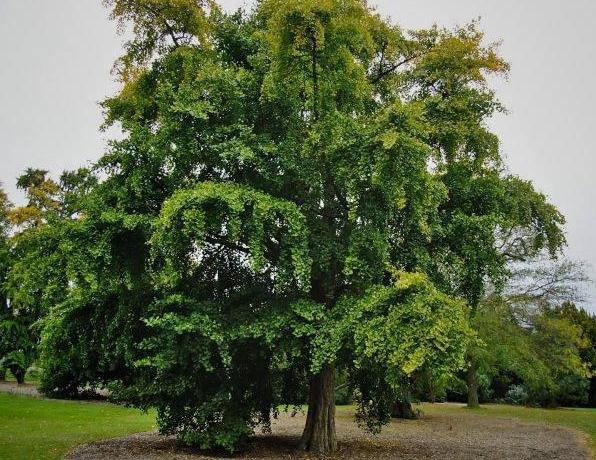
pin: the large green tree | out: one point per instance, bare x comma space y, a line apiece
249, 233
489, 218
499, 221
299, 189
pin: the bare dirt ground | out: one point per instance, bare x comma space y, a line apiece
465, 436
27, 389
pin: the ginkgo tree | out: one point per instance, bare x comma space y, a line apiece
490, 218
270, 216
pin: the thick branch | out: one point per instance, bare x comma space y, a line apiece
382, 74
171, 32
227, 244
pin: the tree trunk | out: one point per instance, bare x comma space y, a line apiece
19, 374
319, 432
402, 408
472, 381
432, 398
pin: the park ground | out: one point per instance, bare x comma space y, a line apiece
34, 428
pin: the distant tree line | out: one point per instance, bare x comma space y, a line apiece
547, 361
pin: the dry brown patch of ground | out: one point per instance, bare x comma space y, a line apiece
27, 389
463, 436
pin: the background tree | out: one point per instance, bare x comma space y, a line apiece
36, 278
41, 194
529, 351
537, 355
19, 345
524, 224
489, 218
541, 295
19, 335
580, 318
4, 268
558, 342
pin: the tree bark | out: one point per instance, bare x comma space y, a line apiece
432, 398
19, 374
319, 432
472, 381
402, 408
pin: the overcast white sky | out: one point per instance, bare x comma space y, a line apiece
56, 56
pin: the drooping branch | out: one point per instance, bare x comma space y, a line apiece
239, 218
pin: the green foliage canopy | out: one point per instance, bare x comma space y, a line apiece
285, 179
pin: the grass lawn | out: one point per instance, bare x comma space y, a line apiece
579, 419
32, 428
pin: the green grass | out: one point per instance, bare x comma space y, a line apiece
32, 428
583, 420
